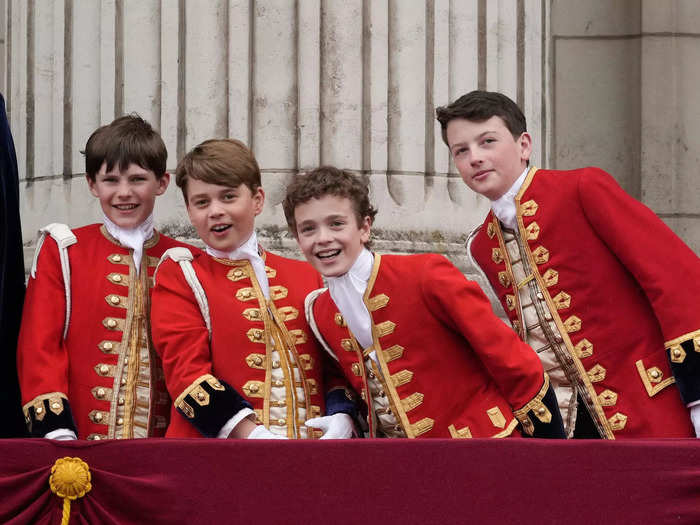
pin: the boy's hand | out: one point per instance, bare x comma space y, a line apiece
260, 432
337, 426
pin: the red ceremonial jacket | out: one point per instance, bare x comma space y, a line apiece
240, 326
102, 365
623, 290
451, 367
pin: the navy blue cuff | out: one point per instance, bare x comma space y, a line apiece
685, 365
341, 401
48, 413
209, 403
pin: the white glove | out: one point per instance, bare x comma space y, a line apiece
337, 426
695, 418
260, 432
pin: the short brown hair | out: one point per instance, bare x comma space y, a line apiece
328, 180
226, 162
478, 106
127, 140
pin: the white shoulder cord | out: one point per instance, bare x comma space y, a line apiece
64, 238
184, 258
309, 311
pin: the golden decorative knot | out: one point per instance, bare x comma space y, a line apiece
70, 478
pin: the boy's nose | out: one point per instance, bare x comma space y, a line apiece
124, 189
323, 235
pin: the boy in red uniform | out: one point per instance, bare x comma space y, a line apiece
412, 335
86, 364
229, 324
589, 277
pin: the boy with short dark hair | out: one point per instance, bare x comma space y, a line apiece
86, 363
238, 357
588, 276
411, 334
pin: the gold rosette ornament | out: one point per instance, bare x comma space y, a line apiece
70, 479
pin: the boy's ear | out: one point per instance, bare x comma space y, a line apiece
258, 200
525, 143
163, 183
365, 229
91, 185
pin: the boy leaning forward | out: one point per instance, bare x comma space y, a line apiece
595, 282
411, 334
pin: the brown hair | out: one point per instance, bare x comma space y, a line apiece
328, 180
127, 140
482, 105
226, 162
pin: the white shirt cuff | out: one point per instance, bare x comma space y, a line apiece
61, 434
231, 423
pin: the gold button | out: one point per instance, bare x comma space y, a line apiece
121, 401
654, 374
120, 421
397, 427
201, 396
356, 369
56, 406
39, 410
116, 257
101, 392
257, 360
282, 421
275, 364
108, 346
254, 388
279, 382
111, 323
114, 299
123, 381
246, 293
676, 353
98, 416
126, 360
258, 334
117, 278
96, 438
558, 337
104, 369
541, 411
363, 395
370, 375
237, 273
282, 403
255, 314
381, 393
548, 316
540, 295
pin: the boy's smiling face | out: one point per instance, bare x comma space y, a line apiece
328, 234
127, 197
486, 154
224, 217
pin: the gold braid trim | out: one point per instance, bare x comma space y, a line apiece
38, 401
537, 407
206, 378
677, 353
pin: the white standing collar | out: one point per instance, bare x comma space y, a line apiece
133, 238
504, 206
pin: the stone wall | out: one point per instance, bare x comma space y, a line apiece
354, 83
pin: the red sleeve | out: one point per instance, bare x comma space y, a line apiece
179, 332
513, 365
42, 359
663, 266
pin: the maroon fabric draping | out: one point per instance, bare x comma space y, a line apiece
361, 481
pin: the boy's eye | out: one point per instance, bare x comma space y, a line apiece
489, 140
200, 202
459, 151
229, 196
337, 223
306, 229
